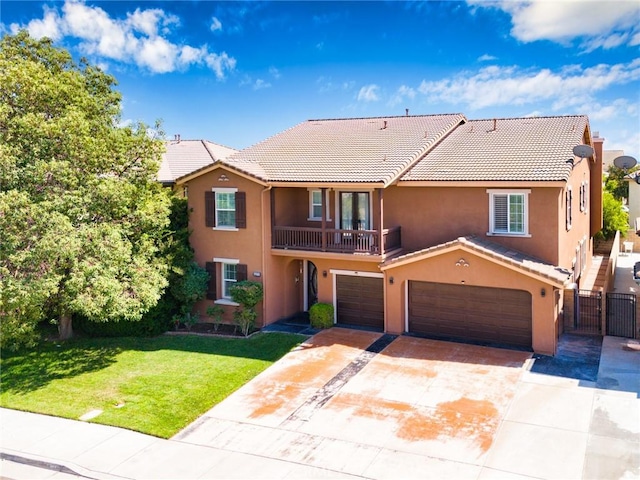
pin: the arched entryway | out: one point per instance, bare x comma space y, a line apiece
311, 284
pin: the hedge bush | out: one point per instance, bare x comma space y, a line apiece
321, 315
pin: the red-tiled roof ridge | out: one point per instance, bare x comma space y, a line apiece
381, 117
507, 149
346, 150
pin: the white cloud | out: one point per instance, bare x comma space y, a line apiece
157, 54
47, 26
404, 92
219, 63
603, 24
140, 39
216, 25
260, 84
494, 86
368, 93
274, 72
486, 58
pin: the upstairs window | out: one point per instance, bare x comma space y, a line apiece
508, 212
315, 205
225, 209
568, 200
584, 188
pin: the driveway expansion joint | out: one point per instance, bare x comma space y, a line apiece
333, 386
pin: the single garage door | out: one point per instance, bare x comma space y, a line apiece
493, 315
360, 301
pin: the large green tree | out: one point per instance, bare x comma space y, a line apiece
82, 219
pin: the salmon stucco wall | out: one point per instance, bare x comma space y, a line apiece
569, 239
243, 244
433, 215
286, 282
481, 272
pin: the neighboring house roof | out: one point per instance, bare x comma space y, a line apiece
506, 149
185, 156
530, 265
362, 150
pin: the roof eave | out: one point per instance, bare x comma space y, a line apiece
483, 183
214, 166
479, 253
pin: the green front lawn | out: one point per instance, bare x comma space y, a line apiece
153, 385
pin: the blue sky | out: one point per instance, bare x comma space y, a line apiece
238, 72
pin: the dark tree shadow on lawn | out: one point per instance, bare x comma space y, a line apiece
29, 370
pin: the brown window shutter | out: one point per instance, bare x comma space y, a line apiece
241, 210
241, 272
210, 267
210, 209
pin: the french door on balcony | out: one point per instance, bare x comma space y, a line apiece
355, 211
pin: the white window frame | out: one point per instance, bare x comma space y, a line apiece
313, 218
224, 262
353, 190
568, 206
583, 196
525, 221
217, 191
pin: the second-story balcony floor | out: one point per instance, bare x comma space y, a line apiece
331, 240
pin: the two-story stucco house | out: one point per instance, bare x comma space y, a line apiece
434, 224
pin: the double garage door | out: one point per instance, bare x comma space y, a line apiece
482, 314
360, 301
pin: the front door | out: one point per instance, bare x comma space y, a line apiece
312, 284
354, 211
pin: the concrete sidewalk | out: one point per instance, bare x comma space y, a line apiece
552, 426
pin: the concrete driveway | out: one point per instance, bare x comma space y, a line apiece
376, 406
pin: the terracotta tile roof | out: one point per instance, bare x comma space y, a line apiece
527, 149
186, 156
557, 275
364, 150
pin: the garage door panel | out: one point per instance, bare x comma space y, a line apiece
469, 312
360, 301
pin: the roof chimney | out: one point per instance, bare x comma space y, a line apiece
406, 111
495, 124
177, 137
385, 125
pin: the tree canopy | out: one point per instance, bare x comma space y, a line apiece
81, 215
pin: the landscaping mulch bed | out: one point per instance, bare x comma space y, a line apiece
223, 330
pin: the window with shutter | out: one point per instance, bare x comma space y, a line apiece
210, 209
241, 272
212, 293
226, 209
508, 212
241, 210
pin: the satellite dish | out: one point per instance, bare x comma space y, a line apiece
583, 151
625, 162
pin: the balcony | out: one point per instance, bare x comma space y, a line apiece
332, 240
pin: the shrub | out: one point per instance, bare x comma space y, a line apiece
321, 315
248, 294
613, 217
153, 323
215, 312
